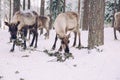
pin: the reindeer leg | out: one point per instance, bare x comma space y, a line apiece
67, 49
115, 34
41, 32
25, 35
79, 45
53, 47
13, 46
47, 34
75, 33
36, 34
32, 40
60, 49
10, 39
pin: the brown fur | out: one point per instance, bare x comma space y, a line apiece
25, 18
26, 21
43, 22
116, 23
64, 23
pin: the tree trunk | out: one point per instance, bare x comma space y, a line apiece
42, 11
29, 3
0, 13
114, 10
10, 11
64, 5
78, 6
51, 21
16, 6
85, 15
42, 7
96, 23
113, 13
23, 4
118, 6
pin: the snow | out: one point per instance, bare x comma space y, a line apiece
36, 65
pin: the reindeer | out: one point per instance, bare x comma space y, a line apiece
66, 22
21, 22
116, 23
43, 22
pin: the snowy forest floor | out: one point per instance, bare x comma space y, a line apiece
36, 65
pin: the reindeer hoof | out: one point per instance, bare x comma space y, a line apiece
24, 48
60, 49
73, 45
35, 47
11, 50
53, 48
79, 47
31, 45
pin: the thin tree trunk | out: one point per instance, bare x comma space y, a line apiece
114, 13
0, 13
78, 6
42, 11
96, 23
10, 11
29, 3
64, 5
16, 6
42, 7
114, 10
118, 6
51, 14
85, 15
23, 4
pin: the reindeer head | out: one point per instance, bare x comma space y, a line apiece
13, 28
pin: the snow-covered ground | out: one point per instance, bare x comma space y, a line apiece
36, 65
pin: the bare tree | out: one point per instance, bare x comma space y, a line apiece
23, 4
0, 13
78, 6
42, 7
114, 10
118, 5
16, 6
10, 10
51, 21
96, 23
42, 11
64, 5
85, 15
29, 3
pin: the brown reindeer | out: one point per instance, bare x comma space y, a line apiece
21, 22
65, 22
43, 22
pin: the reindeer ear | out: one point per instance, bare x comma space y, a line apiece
6, 23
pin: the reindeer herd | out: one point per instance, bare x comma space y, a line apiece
27, 22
